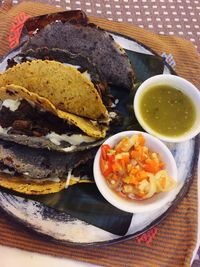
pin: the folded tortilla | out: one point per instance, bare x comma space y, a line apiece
41, 171
64, 86
14, 92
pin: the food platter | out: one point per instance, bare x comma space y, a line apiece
69, 227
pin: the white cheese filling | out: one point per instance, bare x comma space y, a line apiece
11, 104
29, 178
4, 130
68, 149
73, 66
87, 75
112, 115
7, 171
74, 139
68, 179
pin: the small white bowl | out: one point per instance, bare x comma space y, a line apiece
178, 83
136, 206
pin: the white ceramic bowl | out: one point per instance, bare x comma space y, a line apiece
181, 84
136, 206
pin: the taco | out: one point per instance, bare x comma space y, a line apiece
40, 146
29, 119
89, 41
40, 171
82, 64
64, 86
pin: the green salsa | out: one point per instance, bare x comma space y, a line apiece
167, 110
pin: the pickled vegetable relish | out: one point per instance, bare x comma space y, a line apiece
132, 170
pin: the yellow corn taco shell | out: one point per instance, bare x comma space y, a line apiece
18, 92
33, 186
64, 86
27, 186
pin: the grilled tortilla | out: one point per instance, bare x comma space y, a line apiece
64, 86
89, 41
39, 171
24, 114
82, 64
30, 186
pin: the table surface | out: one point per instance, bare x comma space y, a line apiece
171, 17
18, 258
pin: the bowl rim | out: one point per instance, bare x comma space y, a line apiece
194, 97
117, 201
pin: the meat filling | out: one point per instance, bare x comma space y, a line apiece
31, 120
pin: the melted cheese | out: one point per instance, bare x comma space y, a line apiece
112, 115
74, 139
53, 179
115, 103
73, 66
68, 179
87, 75
7, 171
68, 149
18, 59
11, 104
4, 130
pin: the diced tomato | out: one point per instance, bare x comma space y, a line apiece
133, 180
151, 166
111, 157
114, 176
104, 150
141, 175
128, 165
141, 194
135, 154
161, 165
106, 167
133, 171
141, 140
117, 167
143, 157
124, 159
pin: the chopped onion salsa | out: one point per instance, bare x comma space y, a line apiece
133, 171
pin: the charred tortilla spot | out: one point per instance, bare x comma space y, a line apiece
11, 93
9, 159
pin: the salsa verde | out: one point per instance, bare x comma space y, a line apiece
167, 110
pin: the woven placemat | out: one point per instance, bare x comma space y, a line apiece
175, 238
172, 17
